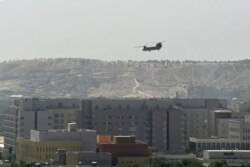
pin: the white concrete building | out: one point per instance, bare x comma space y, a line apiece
198, 145
226, 154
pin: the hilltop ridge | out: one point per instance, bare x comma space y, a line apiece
78, 78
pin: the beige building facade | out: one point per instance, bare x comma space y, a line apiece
42, 145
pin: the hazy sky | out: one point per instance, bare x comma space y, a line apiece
109, 29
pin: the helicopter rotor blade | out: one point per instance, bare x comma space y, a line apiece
138, 46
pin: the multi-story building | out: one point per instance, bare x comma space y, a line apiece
198, 145
164, 124
125, 147
195, 122
42, 145
82, 158
242, 107
37, 114
231, 128
222, 127
240, 129
231, 157
215, 118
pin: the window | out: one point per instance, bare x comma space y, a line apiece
59, 105
108, 106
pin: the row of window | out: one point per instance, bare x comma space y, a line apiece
54, 149
246, 137
117, 117
143, 106
243, 146
246, 130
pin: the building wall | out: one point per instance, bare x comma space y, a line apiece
223, 128
175, 132
199, 145
10, 126
214, 115
239, 129
59, 118
86, 158
160, 136
234, 127
195, 122
226, 154
38, 114
125, 150
243, 107
239, 115
104, 138
147, 119
26, 123
142, 161
31, 151
86, 137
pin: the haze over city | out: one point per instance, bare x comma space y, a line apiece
135, 83
211, 30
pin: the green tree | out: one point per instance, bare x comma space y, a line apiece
192, 163
22, 163
218, 163
162, 162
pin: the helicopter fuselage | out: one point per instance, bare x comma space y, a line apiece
156, 47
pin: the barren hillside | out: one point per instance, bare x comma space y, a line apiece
94, 78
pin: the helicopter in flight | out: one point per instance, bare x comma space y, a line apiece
157, 46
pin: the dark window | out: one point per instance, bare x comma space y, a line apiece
60, 105
225, 153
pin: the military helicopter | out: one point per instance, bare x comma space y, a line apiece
157, 46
